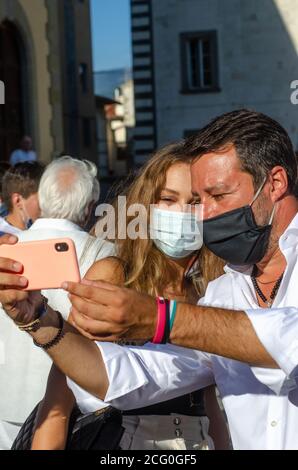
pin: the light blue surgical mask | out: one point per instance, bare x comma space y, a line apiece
176, 234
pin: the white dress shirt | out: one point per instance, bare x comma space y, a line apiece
261, 404
24, 368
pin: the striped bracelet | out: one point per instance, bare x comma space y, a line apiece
166, 312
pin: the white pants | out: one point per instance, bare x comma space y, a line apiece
8, 433
173, 432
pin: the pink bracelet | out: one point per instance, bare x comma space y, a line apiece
161, 320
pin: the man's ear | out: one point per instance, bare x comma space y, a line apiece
279, 186
16, 200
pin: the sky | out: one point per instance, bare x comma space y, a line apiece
111, 34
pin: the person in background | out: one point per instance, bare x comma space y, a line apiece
19, 194
161, 267
4, 166
24, 154
67, 192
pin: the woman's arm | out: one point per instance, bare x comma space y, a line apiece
90, 372
53, 415
52, 420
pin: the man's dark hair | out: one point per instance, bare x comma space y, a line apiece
261, 143
23, 179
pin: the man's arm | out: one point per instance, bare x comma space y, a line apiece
107, 313
222, 332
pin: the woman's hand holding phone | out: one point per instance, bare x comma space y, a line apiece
17, 303
45, 264
24, 311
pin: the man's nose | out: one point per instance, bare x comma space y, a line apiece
208, 212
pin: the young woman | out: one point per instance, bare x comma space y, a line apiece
164, 266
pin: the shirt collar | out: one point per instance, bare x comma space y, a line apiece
290, 236
58, 224
288, 239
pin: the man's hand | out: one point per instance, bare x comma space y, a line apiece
105, 312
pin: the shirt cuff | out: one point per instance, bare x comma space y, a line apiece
277, 329
116, 362
140, 376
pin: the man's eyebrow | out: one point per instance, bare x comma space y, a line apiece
218, 187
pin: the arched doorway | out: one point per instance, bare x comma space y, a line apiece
12, 74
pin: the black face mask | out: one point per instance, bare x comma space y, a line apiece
235, 237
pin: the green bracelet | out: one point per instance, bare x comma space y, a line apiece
173, 310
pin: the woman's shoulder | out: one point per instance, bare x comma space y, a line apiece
109, 269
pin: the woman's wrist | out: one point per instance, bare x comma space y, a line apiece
33, 323
48, 327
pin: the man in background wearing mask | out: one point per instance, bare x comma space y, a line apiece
244, 171
19, 194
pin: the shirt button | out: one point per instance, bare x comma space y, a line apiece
178, 432
273, 423
177, 421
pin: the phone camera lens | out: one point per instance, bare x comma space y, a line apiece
61, 247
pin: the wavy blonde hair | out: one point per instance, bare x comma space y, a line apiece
146, 268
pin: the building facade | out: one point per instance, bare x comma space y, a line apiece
115, 122
196, 59
46, 67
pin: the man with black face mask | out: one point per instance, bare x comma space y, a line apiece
244, 171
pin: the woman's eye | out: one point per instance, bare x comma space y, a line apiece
167, 199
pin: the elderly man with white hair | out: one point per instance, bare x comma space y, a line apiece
68, 191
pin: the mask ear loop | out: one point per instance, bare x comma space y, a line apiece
272, 215
256, 196
259, 191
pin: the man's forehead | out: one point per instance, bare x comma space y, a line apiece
226, 158
216, 172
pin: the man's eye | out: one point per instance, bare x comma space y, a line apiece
218, 197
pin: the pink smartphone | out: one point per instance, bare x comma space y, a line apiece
47, 263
